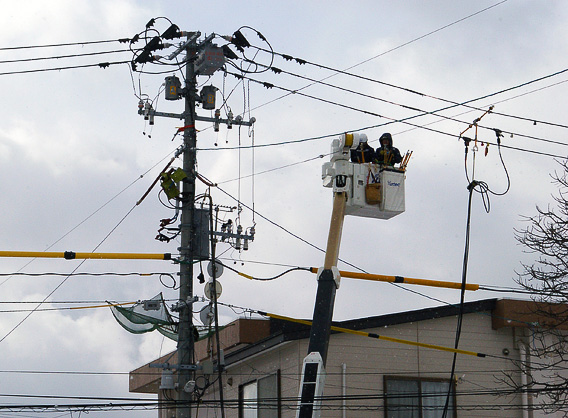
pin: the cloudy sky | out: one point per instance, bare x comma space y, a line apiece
75, 158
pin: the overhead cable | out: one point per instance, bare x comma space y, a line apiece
377, 336
409, 90
393, 120
425, 112
122, 40
100, 65
86, 54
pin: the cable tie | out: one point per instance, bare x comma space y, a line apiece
69, 255
472, 185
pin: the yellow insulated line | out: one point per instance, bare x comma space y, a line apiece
70, 255
379, 337
400, 279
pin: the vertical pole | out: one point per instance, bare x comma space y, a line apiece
325, 296
313, 370
185, 345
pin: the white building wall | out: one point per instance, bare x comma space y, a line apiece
368, 360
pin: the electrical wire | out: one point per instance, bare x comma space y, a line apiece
253, 212
421, 94
64, 280
401, 120
85, 54
266, 279
20, 273
93, 213
323, 251
12, 48
71, 67
301, 61
424, 112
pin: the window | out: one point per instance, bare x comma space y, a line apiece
418, 398
260, 398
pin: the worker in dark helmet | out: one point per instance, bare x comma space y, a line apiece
386, 154
363, 153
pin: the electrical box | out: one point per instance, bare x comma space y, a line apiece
208, 97
209, 60
200, 239
173, 88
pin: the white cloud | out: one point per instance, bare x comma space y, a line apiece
71, 140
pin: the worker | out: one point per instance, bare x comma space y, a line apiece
386, 154
363, 153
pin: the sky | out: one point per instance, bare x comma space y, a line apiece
75, 157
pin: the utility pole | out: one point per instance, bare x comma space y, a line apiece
185, 345
201, 58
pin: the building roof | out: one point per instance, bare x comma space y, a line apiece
244, 338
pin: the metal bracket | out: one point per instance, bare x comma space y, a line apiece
335, 272
235, 121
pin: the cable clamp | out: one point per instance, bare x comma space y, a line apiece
324, 274
499, 135
472, 185
69, 255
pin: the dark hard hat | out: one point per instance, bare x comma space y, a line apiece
386, 136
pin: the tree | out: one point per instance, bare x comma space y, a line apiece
544, 347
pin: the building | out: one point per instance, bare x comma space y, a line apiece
369, 377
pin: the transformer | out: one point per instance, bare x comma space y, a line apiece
208, 97
209, 60
173, 88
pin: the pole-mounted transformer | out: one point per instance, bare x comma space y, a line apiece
173, 88
208, 97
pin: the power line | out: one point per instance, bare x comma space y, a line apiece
112, 273
406, 119
322, 250
356, 402
65, 279
345, 72
122, 40
408, 90
424, 112
301, 61
94, 212
359, 129
72, 67
86, 54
